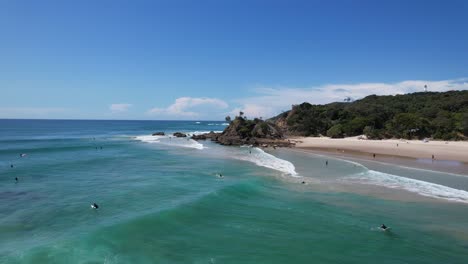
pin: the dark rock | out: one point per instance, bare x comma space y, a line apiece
212, 135
248, 132
179, 134
158, 134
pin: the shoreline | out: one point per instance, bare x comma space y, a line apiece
450, 158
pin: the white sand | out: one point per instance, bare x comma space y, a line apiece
442, 150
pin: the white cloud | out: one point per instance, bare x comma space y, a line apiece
184, 107
119, 108
271, 101
31, 112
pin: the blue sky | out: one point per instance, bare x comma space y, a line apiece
206, 59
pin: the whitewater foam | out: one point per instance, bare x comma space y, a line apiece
416, 186
149, 139
191, 133
261, 158
171, 141
218, 124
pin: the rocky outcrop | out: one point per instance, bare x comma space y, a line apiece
179, 134
158, 134
212, 135
248, 132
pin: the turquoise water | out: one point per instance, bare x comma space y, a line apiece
162, 202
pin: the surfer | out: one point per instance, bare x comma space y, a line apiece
22, 155
219, 175
94, 206
11, 165
326, 163
101, 147
303, 182
383, 227
16, 179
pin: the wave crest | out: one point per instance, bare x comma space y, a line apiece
412, 185
261, 158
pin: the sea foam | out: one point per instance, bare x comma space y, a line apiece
261, 158
171, 141
416, 186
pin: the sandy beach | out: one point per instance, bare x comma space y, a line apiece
442, 150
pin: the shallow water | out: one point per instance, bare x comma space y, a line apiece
162, 202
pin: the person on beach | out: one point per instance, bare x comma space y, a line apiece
374, 155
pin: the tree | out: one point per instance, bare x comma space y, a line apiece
335, 131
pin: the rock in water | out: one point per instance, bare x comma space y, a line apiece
179, 134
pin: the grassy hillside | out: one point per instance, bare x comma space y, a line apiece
418, 115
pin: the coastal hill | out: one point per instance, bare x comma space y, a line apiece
438, 115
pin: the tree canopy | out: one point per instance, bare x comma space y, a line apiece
418, 115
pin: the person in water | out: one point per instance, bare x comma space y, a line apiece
16, 179
383, 227
326, 163
11, 166
94, 206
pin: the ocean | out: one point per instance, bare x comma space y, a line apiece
161, 200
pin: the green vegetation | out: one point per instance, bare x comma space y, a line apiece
244, 128
418, 115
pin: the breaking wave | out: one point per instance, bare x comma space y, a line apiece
415, 186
